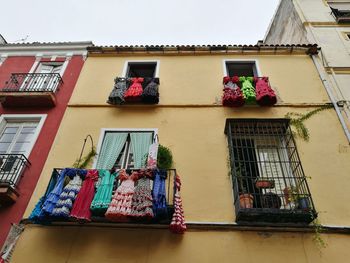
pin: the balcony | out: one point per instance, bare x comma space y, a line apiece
341, 16
269, 184
98, 214
134, 91
31, 90
12, 167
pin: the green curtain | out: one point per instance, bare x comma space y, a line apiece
111, 147
140, 142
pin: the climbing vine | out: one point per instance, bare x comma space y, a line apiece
84, 162
297, 121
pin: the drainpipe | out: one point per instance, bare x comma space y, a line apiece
330, 95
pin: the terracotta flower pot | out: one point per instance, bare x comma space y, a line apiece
265, 183
246, 201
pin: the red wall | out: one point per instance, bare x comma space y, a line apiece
38, 155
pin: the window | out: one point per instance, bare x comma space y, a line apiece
241, 68
144, 69
124, 149
49, 67
269, 184
340, 11
18, 134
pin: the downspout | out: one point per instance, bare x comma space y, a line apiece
330, 95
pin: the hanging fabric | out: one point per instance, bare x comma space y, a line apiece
38, 214
232, 96
152, 153
67, 197
112, 145
178, 224
140, 142
117, 95
120, 207
134, 92
141, 206
150, 93
160, 208
248, 89
53, 196
265, 96
103, 195
81, 206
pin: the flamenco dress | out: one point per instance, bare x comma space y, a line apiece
160, 208
150, 93
134, 92
67, 197
103, 195
265, 96
120, 207
248, 89
178, 225
141, 206
81, 206
232, 96
117, 95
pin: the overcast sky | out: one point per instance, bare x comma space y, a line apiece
136, 22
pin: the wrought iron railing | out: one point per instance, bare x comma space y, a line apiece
170, 195
269, 184
33, 82
342, 16
12, 167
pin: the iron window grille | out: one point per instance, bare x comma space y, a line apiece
269, 184
12, 167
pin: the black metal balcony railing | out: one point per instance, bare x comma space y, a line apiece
164, 219
342, 16
269, 184
12, 167
33, 82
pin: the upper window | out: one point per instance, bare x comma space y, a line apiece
241, 68
124, 149
143, 69
49, 67
268, 180
340, 11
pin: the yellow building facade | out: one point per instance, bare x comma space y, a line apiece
190, 120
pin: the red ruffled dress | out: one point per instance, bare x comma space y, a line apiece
81, 206
178, 225
120, 207
233, 96
134, 92
265, 96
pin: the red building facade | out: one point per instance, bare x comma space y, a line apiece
36, 83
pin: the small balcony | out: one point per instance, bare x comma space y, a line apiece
31, 90
134, 91
341, 16
12, 167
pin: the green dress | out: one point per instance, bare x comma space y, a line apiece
103, 194
248, 89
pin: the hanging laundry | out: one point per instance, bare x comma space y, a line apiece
120, 207
81, 206
178, 224
103, 195
160, 208
38, 215
265, 96
53, 196
117, 95
232, 96
67, 197
134, 92
248, 89
151, 93
141, 206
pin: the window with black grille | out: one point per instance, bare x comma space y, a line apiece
241, 68
269, 184
141, 69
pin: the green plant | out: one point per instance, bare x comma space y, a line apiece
297, 121
84, 162
240, 173
317, 238
164, 157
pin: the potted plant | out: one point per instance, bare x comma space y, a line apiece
293, 194
264, 183
245, 198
